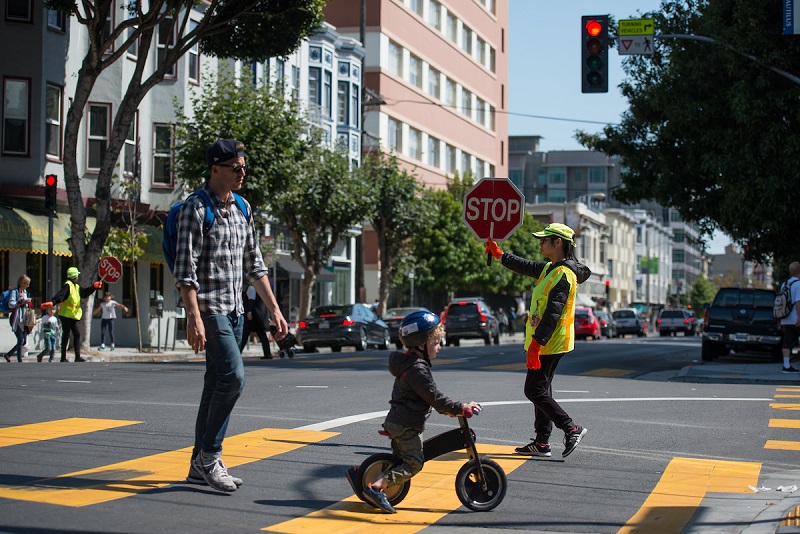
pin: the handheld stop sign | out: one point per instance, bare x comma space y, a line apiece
493, 208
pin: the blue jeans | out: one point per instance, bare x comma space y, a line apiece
106, 325
223, 382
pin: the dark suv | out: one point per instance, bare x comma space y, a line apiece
470, 318
741, 319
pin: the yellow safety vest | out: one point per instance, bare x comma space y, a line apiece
563, 338
71, 307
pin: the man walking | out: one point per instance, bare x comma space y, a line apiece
210, 267
791, 323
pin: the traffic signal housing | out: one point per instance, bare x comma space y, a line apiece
50, 189
594, 54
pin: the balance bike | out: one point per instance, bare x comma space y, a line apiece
480, 483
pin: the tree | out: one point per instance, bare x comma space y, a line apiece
701, 293
399, 214
711, 132
248, 29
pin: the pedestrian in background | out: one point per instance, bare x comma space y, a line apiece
210, 268
791, 323
19, 301
49, 323
256, 321
550, 331
502, 320
70, 311
512, 317
108, 306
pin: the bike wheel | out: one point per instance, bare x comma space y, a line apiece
469, 490
373, 467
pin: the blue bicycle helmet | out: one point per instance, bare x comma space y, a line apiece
416, 328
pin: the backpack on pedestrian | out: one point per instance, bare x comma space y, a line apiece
783, 301
4, 298
170, 233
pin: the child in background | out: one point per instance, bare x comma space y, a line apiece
108, 305
49, 322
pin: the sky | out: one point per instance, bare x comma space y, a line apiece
544, 74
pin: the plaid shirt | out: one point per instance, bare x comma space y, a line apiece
216, 263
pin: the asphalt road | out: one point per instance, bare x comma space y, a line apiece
658, 454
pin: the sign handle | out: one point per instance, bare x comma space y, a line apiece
491, 233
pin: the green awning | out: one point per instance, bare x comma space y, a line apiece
23, 231
153, 249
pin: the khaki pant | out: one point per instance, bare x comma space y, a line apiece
409, 446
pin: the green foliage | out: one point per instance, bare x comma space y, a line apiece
702, 292
711, 132
126, 243
118, 243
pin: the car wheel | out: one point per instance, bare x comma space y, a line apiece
362, 341
308, 347
709, 351
336, 348
487, 340
386, 341
454, 341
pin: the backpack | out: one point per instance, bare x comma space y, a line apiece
783, 302
170, 233
4, 298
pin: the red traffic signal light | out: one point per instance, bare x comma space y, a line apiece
594, 28
608, 283
50, 191
594, 54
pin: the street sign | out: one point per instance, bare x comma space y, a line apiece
493, 208
636, 37
109, 269
636, 27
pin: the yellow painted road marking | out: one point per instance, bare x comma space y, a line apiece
432, 496
16, 435
784, 423
335, 360
684, 483
788, 388
508, 367
440, 361
787, 396
115, 481
782, 445
785, 406
607, 372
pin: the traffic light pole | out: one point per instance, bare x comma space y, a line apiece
50, 257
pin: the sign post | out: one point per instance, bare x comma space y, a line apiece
493, 208
109, 269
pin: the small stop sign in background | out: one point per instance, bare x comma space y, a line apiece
109, 269
493, 208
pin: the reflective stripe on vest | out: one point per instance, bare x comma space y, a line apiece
563, 338
71, 307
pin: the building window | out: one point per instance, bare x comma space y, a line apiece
416, 6
295, 81
162, 154
193, 58
341, 102
327, 93
433, 82
492, 59
466, 163
395, 59
56, 20
133, 48
678, 256
130, 162
480, 111
557, 175
395, 136
452, 27
314, 81
355, 107
479, 168
597, 175
53, 111
415, 143
108, 27
415, 71
450, 93
450, 159
480, 51
678, 236
16, 111
99, 133
280, 74
466, 102
165, 40
433, 152
557, 195
491, 118
435, 14
466, 40
19, 10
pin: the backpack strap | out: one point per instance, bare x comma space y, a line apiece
242, 206
208, 220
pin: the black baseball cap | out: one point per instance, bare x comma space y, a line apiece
222, 150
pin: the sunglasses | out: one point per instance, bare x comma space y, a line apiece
235, 166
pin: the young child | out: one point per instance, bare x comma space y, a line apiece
49, 322
413, 395
108, 305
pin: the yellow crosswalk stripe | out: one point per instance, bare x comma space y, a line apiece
684, 483
785, 406
432, 497
17, 435
782, 445
115, 481
788, 388
607, 372
787, 396
784, 423
508, 367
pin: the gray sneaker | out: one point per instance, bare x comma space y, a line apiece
215, 474
196, 477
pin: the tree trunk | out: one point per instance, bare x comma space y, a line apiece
85, 324
306, 291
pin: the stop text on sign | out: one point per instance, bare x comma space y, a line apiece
109, 269
493, 209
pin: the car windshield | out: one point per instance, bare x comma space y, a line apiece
329, 311
624, 314
581, 313
463, 310
734, 298
671, 314
601, 315
398, 313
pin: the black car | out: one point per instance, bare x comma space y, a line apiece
339, 326
470, 318
394, 318
608, 326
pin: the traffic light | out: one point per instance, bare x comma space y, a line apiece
594, 54
608, 289
50, 188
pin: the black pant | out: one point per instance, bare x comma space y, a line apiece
539, 390
70, 325
253, 326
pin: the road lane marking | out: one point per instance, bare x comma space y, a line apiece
784, 423
782, 445
336, 360
16, 435
788, 388
123, 479
785, 406
432, 496
603, 371
684, 483
787, 396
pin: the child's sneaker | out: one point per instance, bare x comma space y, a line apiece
378, 498
572, 438
102, 347
535, 449
112, 347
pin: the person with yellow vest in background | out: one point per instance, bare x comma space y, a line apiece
550, 330
70, 312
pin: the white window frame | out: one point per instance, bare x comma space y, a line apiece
193, 58
451, 92
132, 144
395, 135
161, 48
315, 86
56, 20
160, 154
395, 59
23, 115
53, 124
95, 137
433, 152
434, 83
466, 103
342, 101
451, 161
451, 28
415, 71
355, 105
414, 143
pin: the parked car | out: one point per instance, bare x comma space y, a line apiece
470, 318
608, 326
339, 326
586, 323
741, 319
394, 319
676, 320
630, 321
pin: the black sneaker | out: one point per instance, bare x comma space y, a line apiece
534, 449
378, 499
790, 369
571, 440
